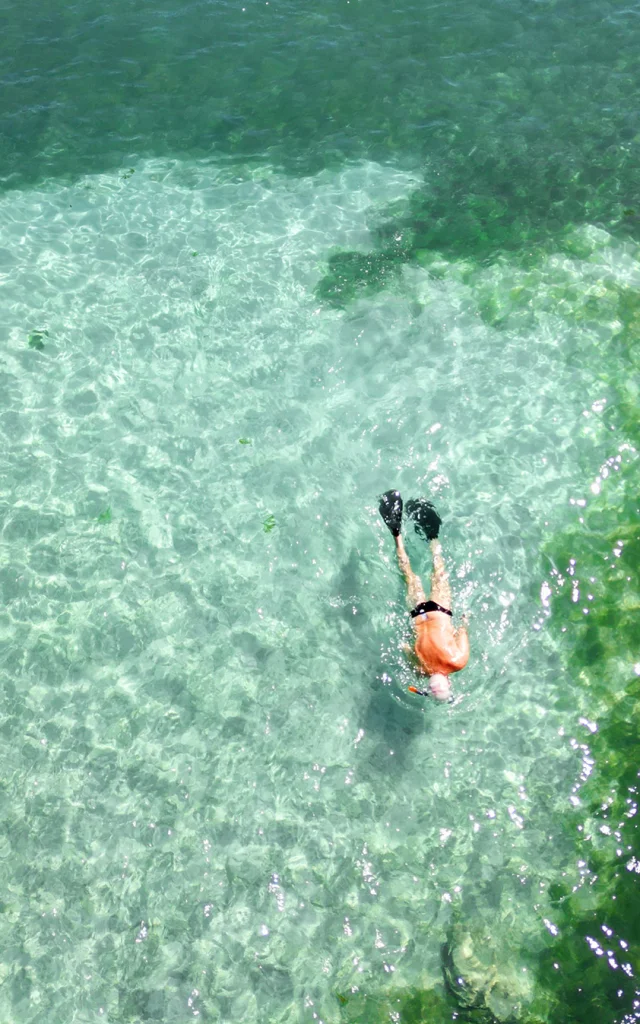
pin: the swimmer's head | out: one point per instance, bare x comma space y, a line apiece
439, 686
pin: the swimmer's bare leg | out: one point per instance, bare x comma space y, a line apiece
415, 595
440, 587
415, 590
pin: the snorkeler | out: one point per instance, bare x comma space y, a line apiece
439, 649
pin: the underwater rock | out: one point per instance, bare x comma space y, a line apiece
482, 974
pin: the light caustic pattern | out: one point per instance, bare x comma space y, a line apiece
221, 801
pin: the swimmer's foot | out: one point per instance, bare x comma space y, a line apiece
391, 511
426, 520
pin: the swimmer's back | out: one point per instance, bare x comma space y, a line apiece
439, 647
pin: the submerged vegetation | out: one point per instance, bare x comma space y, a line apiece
269, 523
411, 1006
593, 964
483, 207
587, 970
36, 340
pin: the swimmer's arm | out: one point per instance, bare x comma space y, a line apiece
414, 659
462, 641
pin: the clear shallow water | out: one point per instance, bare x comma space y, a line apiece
219, 796
219, 800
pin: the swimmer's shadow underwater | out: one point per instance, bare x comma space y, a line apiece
390, 724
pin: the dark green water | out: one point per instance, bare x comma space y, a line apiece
519, 123
535, 102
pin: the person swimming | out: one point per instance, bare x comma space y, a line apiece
440, 650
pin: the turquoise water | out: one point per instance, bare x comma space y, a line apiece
219, 800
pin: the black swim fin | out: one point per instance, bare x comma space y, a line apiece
391, 511
426, 520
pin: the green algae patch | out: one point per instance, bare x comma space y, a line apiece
36, 340
405, 1006
420, 1006
353, 275
483, 208
629, 313
583, 293
105, 516
589, 969
269, 523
